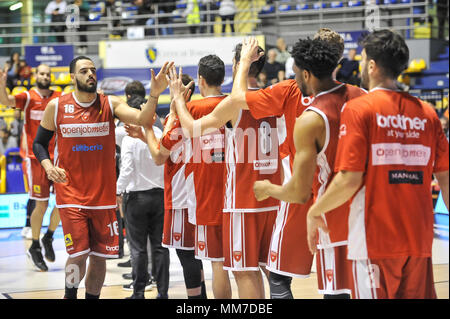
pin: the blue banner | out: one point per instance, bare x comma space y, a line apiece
52, 55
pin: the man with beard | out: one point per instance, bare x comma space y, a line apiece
33, 103
84, 169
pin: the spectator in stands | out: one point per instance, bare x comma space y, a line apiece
6, 141
192, 15
24, 73
262, 80
283, 54
84, 18
274, 70
3, 124
209, 5
227, 12
111, 10
444, 123
442, 15
349, 69
13, 70
16, 126
57, 9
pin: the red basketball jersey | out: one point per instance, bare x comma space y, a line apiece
398, 142
85, 149
205, 168
252, 154
328, 105
33, 104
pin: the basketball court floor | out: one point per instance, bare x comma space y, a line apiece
20, 280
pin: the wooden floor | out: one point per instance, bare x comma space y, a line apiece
18, 280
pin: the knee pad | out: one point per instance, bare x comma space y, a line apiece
280, 286
191, 268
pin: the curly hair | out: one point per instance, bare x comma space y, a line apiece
331, 36
316, 56
388, 50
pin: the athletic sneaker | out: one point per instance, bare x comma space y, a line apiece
125, 264
35, 255
136, 296
26, 233
129, 287
48, 247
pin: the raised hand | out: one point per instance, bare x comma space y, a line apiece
249, 51
176, 86
160, 81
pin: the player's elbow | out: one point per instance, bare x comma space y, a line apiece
302, 198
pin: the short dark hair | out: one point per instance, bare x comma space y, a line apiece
256, 66
186, 79
317, 56
135, 88
212, 69
389, 50
73, 63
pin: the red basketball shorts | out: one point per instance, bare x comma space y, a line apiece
208, 242
90, 231
178, 232
246, 239
394, 278
289, 253
38, 183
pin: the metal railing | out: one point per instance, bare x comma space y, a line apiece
399, 16
108, 27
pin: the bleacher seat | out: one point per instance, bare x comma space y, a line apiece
319, 5
267, 9
337, 4
304, 6
18, 89
355, 3
56, 88
62, 79
68, 89
284, 7
181, 5
416, 66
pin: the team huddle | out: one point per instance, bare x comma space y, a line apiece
262, 180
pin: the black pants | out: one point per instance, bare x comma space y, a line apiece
145, 219
225, 19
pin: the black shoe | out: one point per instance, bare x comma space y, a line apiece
48, 247
35, 255
159, 296
125, 264
136, 296
127, 276
129, 287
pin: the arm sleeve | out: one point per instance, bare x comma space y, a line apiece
40, 143
352, 152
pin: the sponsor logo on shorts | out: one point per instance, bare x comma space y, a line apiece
273, 256
87, 148
37, 189
400, 154
329, 274
112, 248
237, 255
406, 177
265, 164
68, 240
209, 142
177, 236
85, 130
201, 245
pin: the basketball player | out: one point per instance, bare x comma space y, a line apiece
84, 169
316, 135
33, 103
178, 232
247, 224
390, 145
